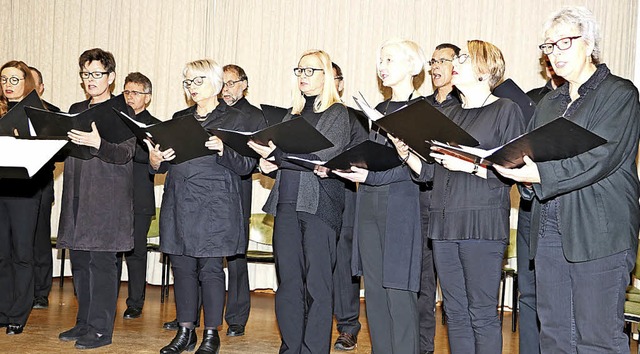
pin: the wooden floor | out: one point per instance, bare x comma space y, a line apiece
145, 334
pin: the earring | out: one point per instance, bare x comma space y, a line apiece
480, 78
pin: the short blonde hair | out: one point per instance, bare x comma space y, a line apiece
487, 59
411, 49
205, 67
329, 94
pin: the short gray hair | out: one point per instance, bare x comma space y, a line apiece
584, 20
205, 67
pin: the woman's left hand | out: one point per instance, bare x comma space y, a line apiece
357, 174
453, 163
91, 139
263, 151
528, 173
214, 143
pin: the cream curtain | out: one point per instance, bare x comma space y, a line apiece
266, 37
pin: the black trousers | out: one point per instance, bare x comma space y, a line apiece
95, 278
136, 261
43, 261
189, 273
427, 294
238, 294
346, 288
18, 217
305, 252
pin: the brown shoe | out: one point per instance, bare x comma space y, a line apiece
346, 341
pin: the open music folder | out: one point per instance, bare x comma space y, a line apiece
57, 124
558, 139
368, 154
183, 134
295, 136
24, 157
417, 124
16, 118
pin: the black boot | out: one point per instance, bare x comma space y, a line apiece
185, 339
210, 342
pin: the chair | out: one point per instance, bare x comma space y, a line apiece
632, 311
153, 245
63, 254
513, 273
261, 232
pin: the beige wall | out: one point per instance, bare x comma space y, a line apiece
266, 37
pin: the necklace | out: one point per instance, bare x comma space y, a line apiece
483, 102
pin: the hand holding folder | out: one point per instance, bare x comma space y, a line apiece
183, 134
58, 124
295, 136
368, 155
417, 124
558, 139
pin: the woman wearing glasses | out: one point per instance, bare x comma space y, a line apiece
388, 237
19, 203
469, 212
585, 216
308, 212
201, 217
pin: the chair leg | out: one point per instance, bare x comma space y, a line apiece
164, 279
62, 259
503, 280
514, 314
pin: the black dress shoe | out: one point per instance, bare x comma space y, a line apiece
171, 325
185, 339
92, 340
14, 328
132, 312
210, 342
346, 341
74, 333
40, 302
235, 330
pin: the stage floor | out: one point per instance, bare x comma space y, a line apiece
145, 334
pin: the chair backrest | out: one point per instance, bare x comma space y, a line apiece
261, 229
154, 228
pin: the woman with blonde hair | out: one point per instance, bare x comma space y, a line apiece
387, 232
308, 212
201, 219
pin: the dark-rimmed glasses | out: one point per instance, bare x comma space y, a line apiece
14, 80
198, 80
562, 44
85, 75
440, 61
134, 93
232, 83
461, 58
339, 78
308, 72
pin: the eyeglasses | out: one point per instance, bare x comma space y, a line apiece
461, 58
134, 93
308, 72
562, 44
440, 61
14, 80
339, 78
85, 75
198, 80
232, 83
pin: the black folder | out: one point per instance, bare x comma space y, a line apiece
16, 117
273, 114
57, 124
556, 140
24, 157
509, 89
295, 136
419, 123
368, 154
183, 134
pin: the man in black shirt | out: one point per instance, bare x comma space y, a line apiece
235, 89
137, 93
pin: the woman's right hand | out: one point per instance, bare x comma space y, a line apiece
156, 156
357, 174
401, 147
267, 167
